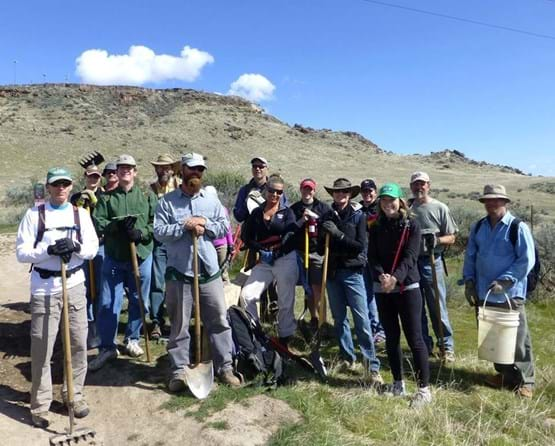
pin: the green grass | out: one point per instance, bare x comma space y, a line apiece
344, 411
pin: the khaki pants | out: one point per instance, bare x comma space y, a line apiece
46, 311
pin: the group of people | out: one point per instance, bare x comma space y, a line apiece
384, 258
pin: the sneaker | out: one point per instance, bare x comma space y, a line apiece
41, 419
525, 391
102, 358
421, 398
228, 377
448, 357
133, 349
396, 389
156, 332
177, 384
379, 337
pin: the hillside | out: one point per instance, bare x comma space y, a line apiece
56, 124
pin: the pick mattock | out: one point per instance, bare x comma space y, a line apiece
135, 263
73, 435
199, 377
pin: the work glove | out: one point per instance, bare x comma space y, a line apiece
430, 241
135, 235
266, 257
470, 293
500, 286
63, 246
127, 223
331, 228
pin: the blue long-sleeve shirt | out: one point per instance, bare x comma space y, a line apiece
490, 255
172, 210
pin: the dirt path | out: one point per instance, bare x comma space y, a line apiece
126, 398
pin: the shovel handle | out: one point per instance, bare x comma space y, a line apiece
322, 307
67, 345
196, 292
135, 263
438, 303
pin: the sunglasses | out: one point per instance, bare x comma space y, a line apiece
271, 190
110, 172
342, 191
258, 166
197, 168
63, 184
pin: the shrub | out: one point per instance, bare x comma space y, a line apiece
227, 184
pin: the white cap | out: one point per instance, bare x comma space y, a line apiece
259, 158
193, 160
126, 160
419, 176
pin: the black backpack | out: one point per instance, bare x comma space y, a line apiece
253, 354
534, 275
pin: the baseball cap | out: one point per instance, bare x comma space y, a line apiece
391, 190
57, 174
92, 170
368, 184
109, 166
308, 182
193, 160
259, 158
126, 160
419, 176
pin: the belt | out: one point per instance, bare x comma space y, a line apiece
47, 274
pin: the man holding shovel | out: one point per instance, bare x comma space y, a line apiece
496, 266
49, 234
183, 216
123, 216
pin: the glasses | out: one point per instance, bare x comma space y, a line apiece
110, 172
196, 168
258, 166
63, 184
271, 190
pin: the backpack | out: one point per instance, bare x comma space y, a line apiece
534, 275
41, 229
253, 354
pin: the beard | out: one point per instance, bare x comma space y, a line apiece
194, 183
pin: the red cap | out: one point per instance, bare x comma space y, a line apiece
308, 182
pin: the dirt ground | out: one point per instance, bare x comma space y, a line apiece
126, 398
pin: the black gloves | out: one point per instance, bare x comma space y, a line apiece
430, 241
470, 293
127, 225
135, 235
64, 247
331, 228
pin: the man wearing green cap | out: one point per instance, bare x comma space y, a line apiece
49, 234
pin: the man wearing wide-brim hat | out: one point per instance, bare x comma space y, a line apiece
346, 226
499, 255
166, 168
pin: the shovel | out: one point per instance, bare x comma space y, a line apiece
200, 376
77, 436
136, 273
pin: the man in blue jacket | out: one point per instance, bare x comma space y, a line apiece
496, 265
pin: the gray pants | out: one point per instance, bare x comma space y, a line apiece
179, 303
46, 313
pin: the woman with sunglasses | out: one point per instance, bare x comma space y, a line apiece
393, 248
268, 231
345, 226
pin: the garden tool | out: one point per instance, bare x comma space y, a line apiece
135, 263
91, 159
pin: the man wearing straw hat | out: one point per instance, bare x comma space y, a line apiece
165, 167
496, 265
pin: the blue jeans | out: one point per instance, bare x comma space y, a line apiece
428, 294
92, 301
117, 276
158, 283
375, 324
346, 289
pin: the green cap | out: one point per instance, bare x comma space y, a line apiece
56, 174
391, 190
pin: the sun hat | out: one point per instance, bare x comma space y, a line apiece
494, 191
126, 160
164, 159
343, 184
57, 174
392, 190
419, 176
193, 160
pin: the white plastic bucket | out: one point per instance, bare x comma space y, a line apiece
497, 329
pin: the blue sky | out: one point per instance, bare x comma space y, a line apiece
410, 82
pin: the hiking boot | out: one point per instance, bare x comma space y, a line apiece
80, 408
448, 357
102, 358
41, 419
525, 391
133, 349
345, 365
375, 379
156, 332
498, 382
228, 378
177, 384
421, 398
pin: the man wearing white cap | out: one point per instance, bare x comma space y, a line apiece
185, 213
499, 255
438, 231
123, 216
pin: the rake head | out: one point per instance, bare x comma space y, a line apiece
83, 436
91, 159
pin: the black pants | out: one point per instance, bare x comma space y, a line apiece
406, 306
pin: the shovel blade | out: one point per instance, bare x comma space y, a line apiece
200, 379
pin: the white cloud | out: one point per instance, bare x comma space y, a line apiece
140, 65
254, 87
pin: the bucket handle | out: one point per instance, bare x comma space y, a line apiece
506, 297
